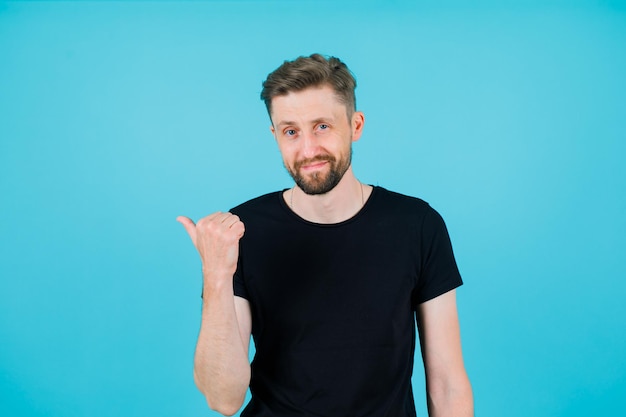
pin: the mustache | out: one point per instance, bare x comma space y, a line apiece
318, 158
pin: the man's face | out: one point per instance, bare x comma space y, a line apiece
315, 134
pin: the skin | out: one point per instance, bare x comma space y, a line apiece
312, 123
308, 126
448, 389
221, 367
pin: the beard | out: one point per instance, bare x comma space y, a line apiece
320, 182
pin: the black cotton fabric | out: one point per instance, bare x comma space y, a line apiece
333, 305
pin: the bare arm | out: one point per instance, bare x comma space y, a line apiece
448, 387
221, 366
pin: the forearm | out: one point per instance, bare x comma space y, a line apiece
450, 399
221, 366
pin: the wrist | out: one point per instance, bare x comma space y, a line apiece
216, 281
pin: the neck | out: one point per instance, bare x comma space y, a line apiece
337, 205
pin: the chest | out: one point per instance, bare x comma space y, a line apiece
333, 283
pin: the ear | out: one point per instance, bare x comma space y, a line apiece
358, 120
273, 131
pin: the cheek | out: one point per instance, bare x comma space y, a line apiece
287, 156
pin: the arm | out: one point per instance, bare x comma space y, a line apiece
447, 385
221, 367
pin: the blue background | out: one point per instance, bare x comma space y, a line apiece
115, 117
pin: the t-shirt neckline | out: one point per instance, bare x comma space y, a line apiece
357, 215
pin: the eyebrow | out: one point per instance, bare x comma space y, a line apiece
314, 121
284, 123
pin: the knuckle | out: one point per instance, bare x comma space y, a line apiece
203, 224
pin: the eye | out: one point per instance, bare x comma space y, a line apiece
290, 132
323, 126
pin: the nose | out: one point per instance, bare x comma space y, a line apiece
310, 145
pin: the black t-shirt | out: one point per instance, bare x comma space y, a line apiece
333, 305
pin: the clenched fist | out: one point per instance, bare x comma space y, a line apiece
216, 237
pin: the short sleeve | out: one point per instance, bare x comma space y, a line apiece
439, 272
239, 286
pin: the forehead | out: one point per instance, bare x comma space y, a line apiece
310, 103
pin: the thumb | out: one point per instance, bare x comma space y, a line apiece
189, 226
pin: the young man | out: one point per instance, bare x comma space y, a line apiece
328, 276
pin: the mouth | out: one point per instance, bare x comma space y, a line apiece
313, 166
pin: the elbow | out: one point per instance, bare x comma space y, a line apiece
223, 407
451, 398
225, 401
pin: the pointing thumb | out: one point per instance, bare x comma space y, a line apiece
189, 226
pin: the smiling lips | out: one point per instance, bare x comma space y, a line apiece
314, 163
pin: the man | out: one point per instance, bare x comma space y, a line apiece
328, 277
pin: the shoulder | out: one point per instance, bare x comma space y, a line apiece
401, 203
408, 210
266, 203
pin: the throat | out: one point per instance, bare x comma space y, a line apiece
336, 206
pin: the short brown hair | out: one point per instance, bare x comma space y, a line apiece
311, 71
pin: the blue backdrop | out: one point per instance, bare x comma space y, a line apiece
115, 117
